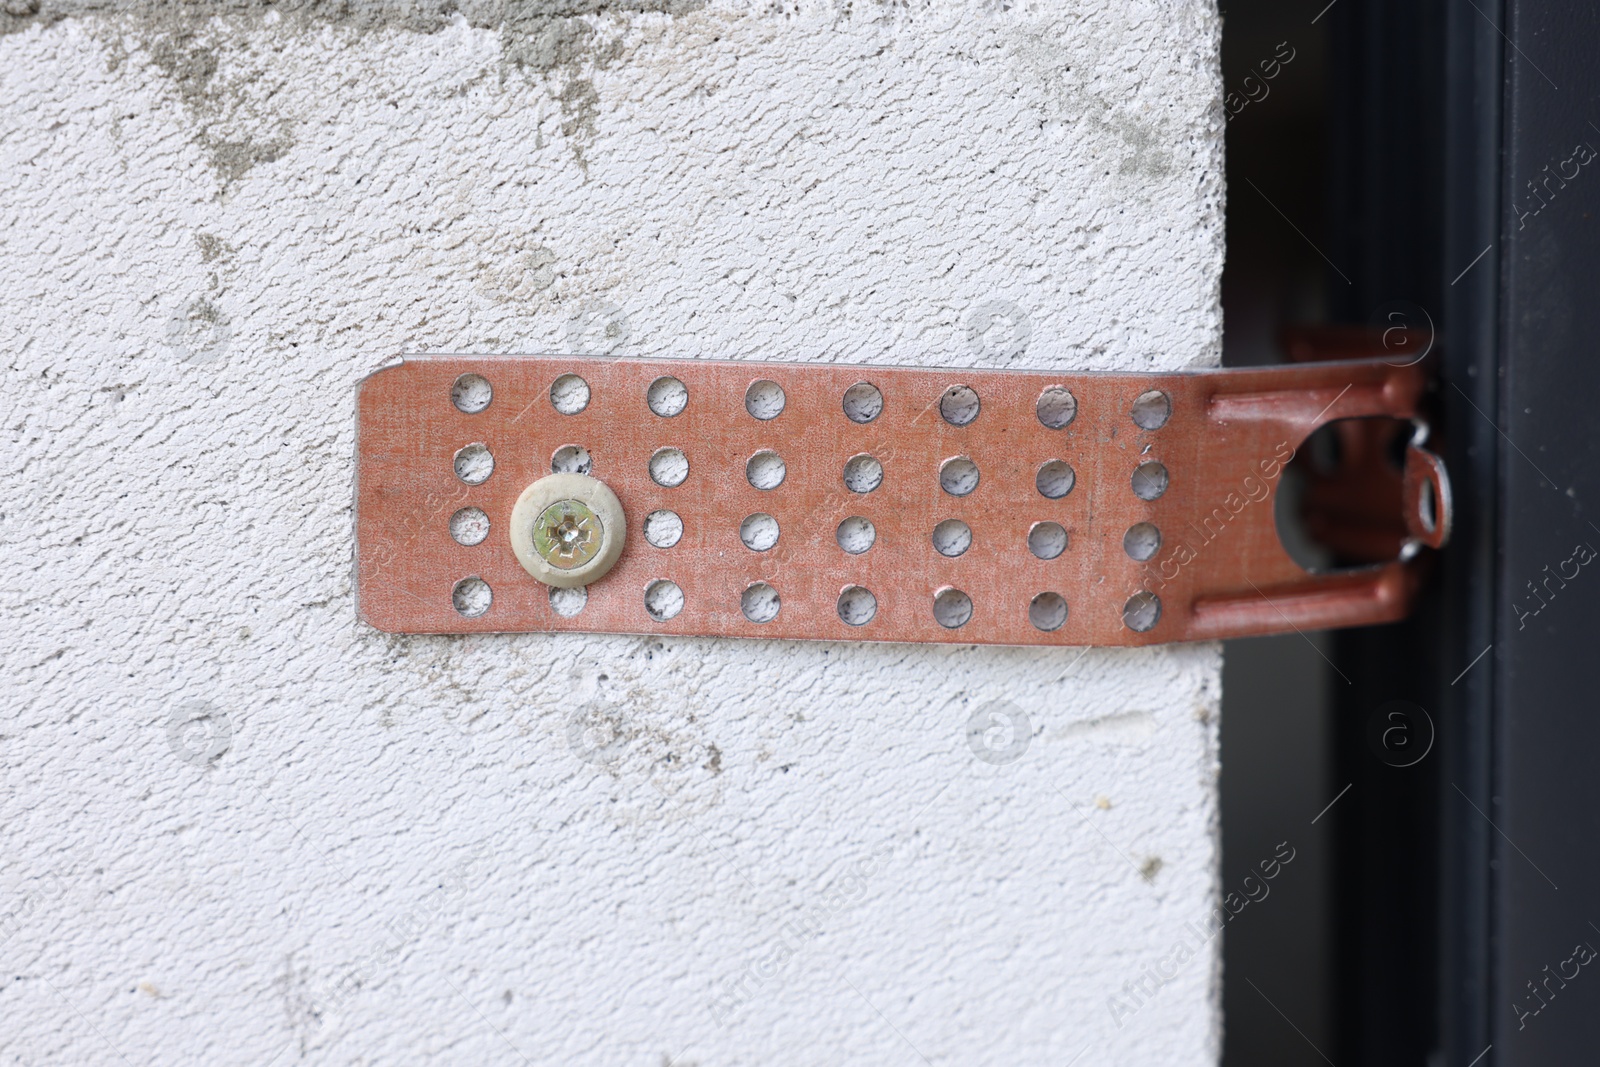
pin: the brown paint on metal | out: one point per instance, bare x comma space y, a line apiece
1220, 571
1355, 508
1425, 475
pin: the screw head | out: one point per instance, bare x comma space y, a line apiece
567, 530
567, 534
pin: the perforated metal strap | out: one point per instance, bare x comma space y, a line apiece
966, 506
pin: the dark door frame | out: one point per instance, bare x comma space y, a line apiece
1467, 882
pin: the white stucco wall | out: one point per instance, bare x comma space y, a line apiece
392, 849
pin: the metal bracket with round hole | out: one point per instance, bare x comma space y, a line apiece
862, 503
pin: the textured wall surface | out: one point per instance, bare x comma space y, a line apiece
238, 827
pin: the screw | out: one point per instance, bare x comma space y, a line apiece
567, 534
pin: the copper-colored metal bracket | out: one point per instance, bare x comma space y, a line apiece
1167, 507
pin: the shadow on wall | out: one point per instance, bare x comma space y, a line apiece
1276, 757
1275, 781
